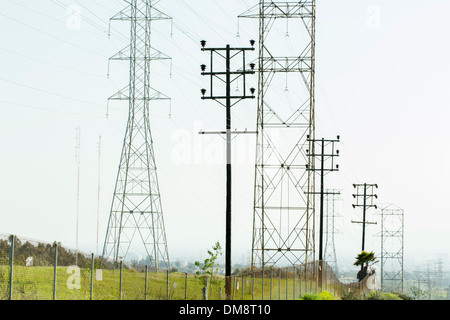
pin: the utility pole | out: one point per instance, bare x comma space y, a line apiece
227, 100
367, 196
99, 146
323, 169
77, 159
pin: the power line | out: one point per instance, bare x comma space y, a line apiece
53, 36
51, 93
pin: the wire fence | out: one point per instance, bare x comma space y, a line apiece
32, 270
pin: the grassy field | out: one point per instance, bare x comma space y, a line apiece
37, 283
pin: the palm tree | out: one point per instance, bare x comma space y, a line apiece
364, 259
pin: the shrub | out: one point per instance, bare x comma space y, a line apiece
402, 295
376, 295
325, 295
309, 296
353, 296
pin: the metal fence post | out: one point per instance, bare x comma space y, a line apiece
361, 288
234, 286
253, 286
242, 286
168, 294
279, 284
11, 273
287, 283
120, 282
293, 282
146, 282
271, 280
316, 271
300, 277
185, 285
341, 288
55, 245
262, 283
92, 276
306, 278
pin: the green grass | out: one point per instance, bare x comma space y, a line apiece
36, 283
375, 295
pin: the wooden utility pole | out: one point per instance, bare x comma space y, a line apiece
227, 101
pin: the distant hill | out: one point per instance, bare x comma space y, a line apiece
43, 254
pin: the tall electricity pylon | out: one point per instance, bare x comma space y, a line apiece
332, 197
284, 206
136, 210
392, 247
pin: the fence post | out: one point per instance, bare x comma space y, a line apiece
92, 276
340, 288
262, 283
293, 281
271, 280
279, 284
310, 267
11, 273
120, 282
253, 286
316, 276
168, 293
332, 276
242, 286
300, 277
55, 264
234, 286
185, 285
360, 288
146, 281
287, 286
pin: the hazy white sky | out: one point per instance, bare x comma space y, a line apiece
382, 85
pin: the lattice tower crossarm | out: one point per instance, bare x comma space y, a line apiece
284, 206
136, 212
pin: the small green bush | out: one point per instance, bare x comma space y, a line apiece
309, 296
376, 295
352, 296
402, 295
325, 295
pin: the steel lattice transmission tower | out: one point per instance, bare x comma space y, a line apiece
136, 210
392, 247
284, 207
331, 199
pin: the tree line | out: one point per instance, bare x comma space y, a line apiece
41, 254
